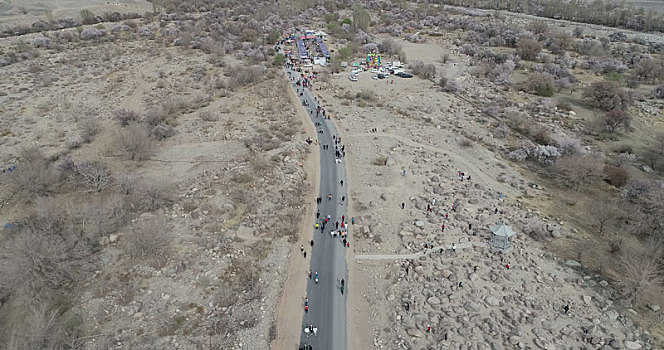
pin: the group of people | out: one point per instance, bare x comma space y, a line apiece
301, 83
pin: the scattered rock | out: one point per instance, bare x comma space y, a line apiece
654, 308
492, 301
587, 299
632, 345
389, 161
419, 223
471, 306
415, 333
646, 168
572, 263
113, 238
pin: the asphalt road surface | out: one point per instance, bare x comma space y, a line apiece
327, 306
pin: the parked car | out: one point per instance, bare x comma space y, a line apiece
381, 76
353, 77
404, 75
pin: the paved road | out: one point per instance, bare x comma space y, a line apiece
327, 306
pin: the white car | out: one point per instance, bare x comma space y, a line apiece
375, 70
356, 71
353, 77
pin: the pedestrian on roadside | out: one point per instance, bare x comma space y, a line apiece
302, 248
312, 242
403, 205
453, 248
442, 228
305, 255
352, 221
428, 207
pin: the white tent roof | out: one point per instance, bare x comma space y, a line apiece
503, 230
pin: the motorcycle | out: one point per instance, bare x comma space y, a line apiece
316, 277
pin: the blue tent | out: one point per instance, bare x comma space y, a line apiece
323, 49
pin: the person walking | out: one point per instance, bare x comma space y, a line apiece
453, 248
442, 228
403, 205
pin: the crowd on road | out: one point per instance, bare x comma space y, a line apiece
302, 82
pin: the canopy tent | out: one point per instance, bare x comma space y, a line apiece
502, 237
323, 49
302, 50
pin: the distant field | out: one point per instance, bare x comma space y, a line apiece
657, 5
26, 12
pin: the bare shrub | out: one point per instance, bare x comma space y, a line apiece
605, 216
34, 175
541, 84
361, 18
89, 129
148, 242
367, 95
208, 117
452, 86
162, 131
124, 117
94, 175
425, 71
465, 143
390, 47
654, 155
528, 49
607, 95
569, 146
575, 170
616, 119
241, 76
151, 195
616, 176
88, 16
638, 272
134, 142
36, 264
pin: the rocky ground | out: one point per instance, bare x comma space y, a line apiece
469, 298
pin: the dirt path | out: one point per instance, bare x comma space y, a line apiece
418, 254
289, 310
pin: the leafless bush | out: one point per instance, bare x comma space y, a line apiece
94, 175
208, 117
607, 95
241, 76
452, 86
576, 170
134, 141
638, 272
568, 146
541, 84
124, 117
649, 70
425, 71
34, 175
89, 129
615, 119
36, 264
149, 242
151, 195
390, 47
162, 131
528, 49
125, 182
465, 143
366, 94
616, 176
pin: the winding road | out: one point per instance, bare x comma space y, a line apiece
327, 306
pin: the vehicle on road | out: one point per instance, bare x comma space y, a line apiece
353, 77
381, 76
403, 75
